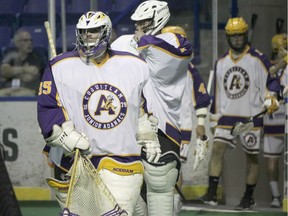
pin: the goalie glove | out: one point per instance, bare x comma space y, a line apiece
68, 138
271, 104
147, 137
200, 150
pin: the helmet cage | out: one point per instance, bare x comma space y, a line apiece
89, 23
93, 49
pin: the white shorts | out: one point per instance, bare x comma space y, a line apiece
250, 141
273, 146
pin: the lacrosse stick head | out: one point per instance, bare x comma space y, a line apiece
241, 128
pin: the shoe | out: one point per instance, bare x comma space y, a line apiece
247, 203
276, 202
209, 199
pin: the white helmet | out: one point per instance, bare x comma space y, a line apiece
157, 11
91, 20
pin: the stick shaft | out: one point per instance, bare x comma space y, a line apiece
50, 39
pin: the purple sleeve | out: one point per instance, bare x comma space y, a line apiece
201, 95
49, 110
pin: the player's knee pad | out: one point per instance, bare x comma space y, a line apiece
160, 178
160, 181
124, 180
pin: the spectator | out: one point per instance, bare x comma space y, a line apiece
240, 83
274, 126
21, 67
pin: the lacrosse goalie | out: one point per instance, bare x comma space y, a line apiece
89, 101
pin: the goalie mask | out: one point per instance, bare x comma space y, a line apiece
152, 16
93, 34
279, 41
237, 33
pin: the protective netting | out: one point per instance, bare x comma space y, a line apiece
88, 195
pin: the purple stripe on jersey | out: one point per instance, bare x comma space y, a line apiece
173, 133
186, 135
202, 97
274, 129
231, 120
67, 162
185, 48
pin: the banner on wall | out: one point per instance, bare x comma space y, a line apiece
22, 143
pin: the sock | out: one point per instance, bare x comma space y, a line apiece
249, 190
274, 188
213, 184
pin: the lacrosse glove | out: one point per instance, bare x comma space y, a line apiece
200, 150
68, 138
147, 137
271, 104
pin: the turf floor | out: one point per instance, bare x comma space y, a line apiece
51, 208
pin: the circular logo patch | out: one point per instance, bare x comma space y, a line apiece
236, 82
250, 140
104, 106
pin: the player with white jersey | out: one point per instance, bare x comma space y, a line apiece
195, 101
90, 99
167, 56
274, 125
240, 87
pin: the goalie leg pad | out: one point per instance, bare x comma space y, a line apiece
124, 180
160, 182
141, 208
60, 190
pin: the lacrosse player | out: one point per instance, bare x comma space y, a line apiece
89, 99
168, 56
195, 89
274, 125
240, 78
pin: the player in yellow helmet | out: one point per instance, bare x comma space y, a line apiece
274, 127
240, 77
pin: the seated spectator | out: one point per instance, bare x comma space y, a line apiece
21, 68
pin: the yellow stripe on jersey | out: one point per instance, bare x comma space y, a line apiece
123, 169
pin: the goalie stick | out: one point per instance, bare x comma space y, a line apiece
246, 126
50, 39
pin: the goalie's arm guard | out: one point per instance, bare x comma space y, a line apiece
68, 138
148, 138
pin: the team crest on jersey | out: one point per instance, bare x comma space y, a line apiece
250, 139
236, 82
104, 106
